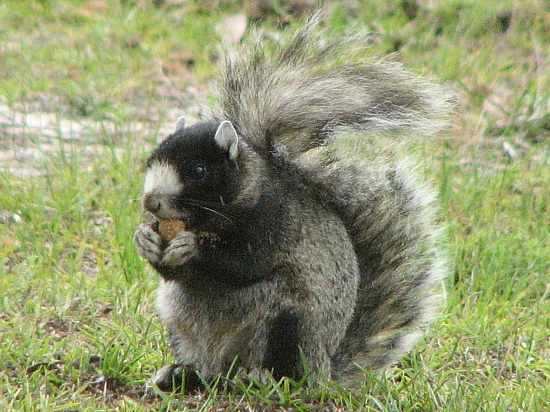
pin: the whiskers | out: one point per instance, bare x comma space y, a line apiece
176, 206
203, 205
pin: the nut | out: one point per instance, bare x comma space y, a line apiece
169, 228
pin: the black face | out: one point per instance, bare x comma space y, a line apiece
209, 178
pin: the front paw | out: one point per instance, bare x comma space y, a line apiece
180, 249
148, 243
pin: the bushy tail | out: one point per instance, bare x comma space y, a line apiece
292, 99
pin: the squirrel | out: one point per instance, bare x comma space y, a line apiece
308, 247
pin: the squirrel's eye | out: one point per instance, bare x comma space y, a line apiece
199, 172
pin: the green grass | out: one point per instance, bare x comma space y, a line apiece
78, 327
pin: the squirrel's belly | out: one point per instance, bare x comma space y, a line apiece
211, 341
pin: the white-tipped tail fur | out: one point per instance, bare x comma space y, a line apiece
309, 89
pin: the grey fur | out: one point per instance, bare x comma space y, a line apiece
357, 256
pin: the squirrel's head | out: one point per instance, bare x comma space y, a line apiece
197, 171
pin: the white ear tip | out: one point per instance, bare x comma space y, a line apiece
226, 129
180, 124
227, 125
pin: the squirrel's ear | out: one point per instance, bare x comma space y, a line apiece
180, 125
227, 138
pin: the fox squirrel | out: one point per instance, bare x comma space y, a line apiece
303, 244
